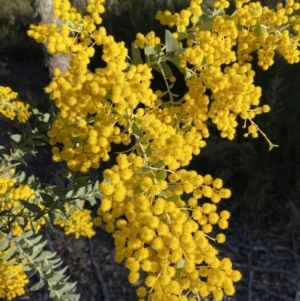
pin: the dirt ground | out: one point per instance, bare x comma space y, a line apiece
268, 259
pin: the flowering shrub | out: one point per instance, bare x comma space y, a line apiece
160, 215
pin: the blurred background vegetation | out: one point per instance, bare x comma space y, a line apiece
266, 184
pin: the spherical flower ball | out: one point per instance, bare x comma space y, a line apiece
226, 264
197, 213
225, 193
223, 223
206, 208
213, 218
141, 291
120, 193
218, 294
215, 197
150, 281
220, 238
157, 243
146, 265
235, 276
133, 277
217, 183
106, 188
207, 180
207, 191
207, 228
225, 214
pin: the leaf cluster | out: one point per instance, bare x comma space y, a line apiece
28, 249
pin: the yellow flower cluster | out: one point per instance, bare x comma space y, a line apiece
77, 222
160, 228
12, 279
12, 108
267, 36
169, 142
87, 142
160, 215
182, 19
58, 42
10, 195
149, 40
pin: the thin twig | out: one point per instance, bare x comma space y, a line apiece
251, 272
272, 270
97, 272
271, 293
297, 264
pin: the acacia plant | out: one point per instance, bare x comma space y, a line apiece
160, 214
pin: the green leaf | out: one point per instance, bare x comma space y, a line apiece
182, 35
218, 12
31, 272
158, 48
81, 191
31, 207
206, 26
188, 74
181, 263
175, 60
59, 182
70, 297
70, 194
161, 175
257, 29
10, 254
52, 293
148, 151
4, 151
282, 27
159, 164
178, 274
36, 240
166, 69
47, 198
38, 143
136, 55
144, 169
16, 138
150, 51
21, 177
171, 42
136, 130
173, 198
206, 10
37, 286
137, 190
80, 182
21, 160
144, 140
40, 215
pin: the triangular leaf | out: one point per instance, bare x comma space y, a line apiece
31, 207
37, 286
159, 164
173, 198
136, 55
136, 130
148, 151
166, 69
137, 190
161, 175
171, 42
